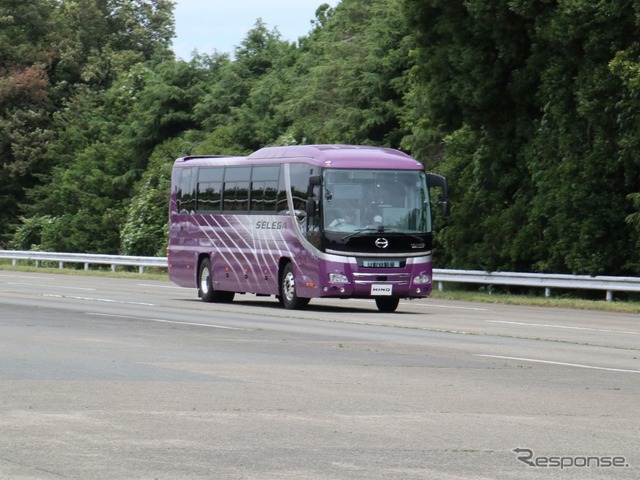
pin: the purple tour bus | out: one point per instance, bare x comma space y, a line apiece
301, 222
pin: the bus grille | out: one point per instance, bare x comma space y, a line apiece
371, 278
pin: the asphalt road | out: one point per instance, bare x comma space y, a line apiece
104, 378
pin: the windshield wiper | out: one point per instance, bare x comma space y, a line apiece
360, 231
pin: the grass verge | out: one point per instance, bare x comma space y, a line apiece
617, 306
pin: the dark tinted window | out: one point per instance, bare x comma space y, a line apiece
300, 174
185, 189
211, 174
282, 206
264, 188
236, 189
210, 189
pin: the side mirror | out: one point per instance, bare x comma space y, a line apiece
311, 207
314, 181
438, 181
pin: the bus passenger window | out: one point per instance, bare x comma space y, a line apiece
209, 197
300, 174
185, 190
281, 197
236, 189
264, 188
210, 189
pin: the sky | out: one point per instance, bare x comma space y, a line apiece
208, 25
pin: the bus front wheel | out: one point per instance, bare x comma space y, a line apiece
387, 304
288, 294
205, 286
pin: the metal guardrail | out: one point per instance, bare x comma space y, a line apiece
84, 258
543, 280
440, 276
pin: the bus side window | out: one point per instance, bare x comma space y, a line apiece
210, 189
281, 197
300, 174
236, 189
185, 190
264, 188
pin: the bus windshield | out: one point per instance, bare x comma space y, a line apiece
375, 200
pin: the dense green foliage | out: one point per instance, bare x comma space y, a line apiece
529, 107
537, 106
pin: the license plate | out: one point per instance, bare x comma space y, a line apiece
381, 263
381, 290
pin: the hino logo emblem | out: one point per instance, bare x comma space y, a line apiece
382, 242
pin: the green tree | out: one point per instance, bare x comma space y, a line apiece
350, 80
241, 111
104, 53
164, 107
626, 66
102, 38
25, 60
145, 229
472, 82
581, 174
520, 108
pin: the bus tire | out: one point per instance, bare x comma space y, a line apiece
387, 304
206, 291
288, 294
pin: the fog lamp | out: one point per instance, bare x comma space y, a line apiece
338, 278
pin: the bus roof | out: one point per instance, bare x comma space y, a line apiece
333, 156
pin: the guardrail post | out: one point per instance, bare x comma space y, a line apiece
441, 286
547, 292
609, 296
86, 266
60, 265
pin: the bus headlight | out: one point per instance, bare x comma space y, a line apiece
338, 278
422, 279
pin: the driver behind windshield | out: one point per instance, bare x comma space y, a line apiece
347, 221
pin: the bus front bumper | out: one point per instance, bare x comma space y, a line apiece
349, 280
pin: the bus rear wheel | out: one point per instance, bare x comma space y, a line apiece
206, 291
387, 304
288, 294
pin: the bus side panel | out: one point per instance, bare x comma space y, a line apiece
272, 238
306, 268
246, 250
181, 254
219, 237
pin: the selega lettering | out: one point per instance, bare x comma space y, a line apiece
266, 225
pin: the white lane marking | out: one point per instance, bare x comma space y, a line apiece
4, 275
602, 330
94, 299
422, 305
50, 286
456, 308
193, 324
564, 364
161, 286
